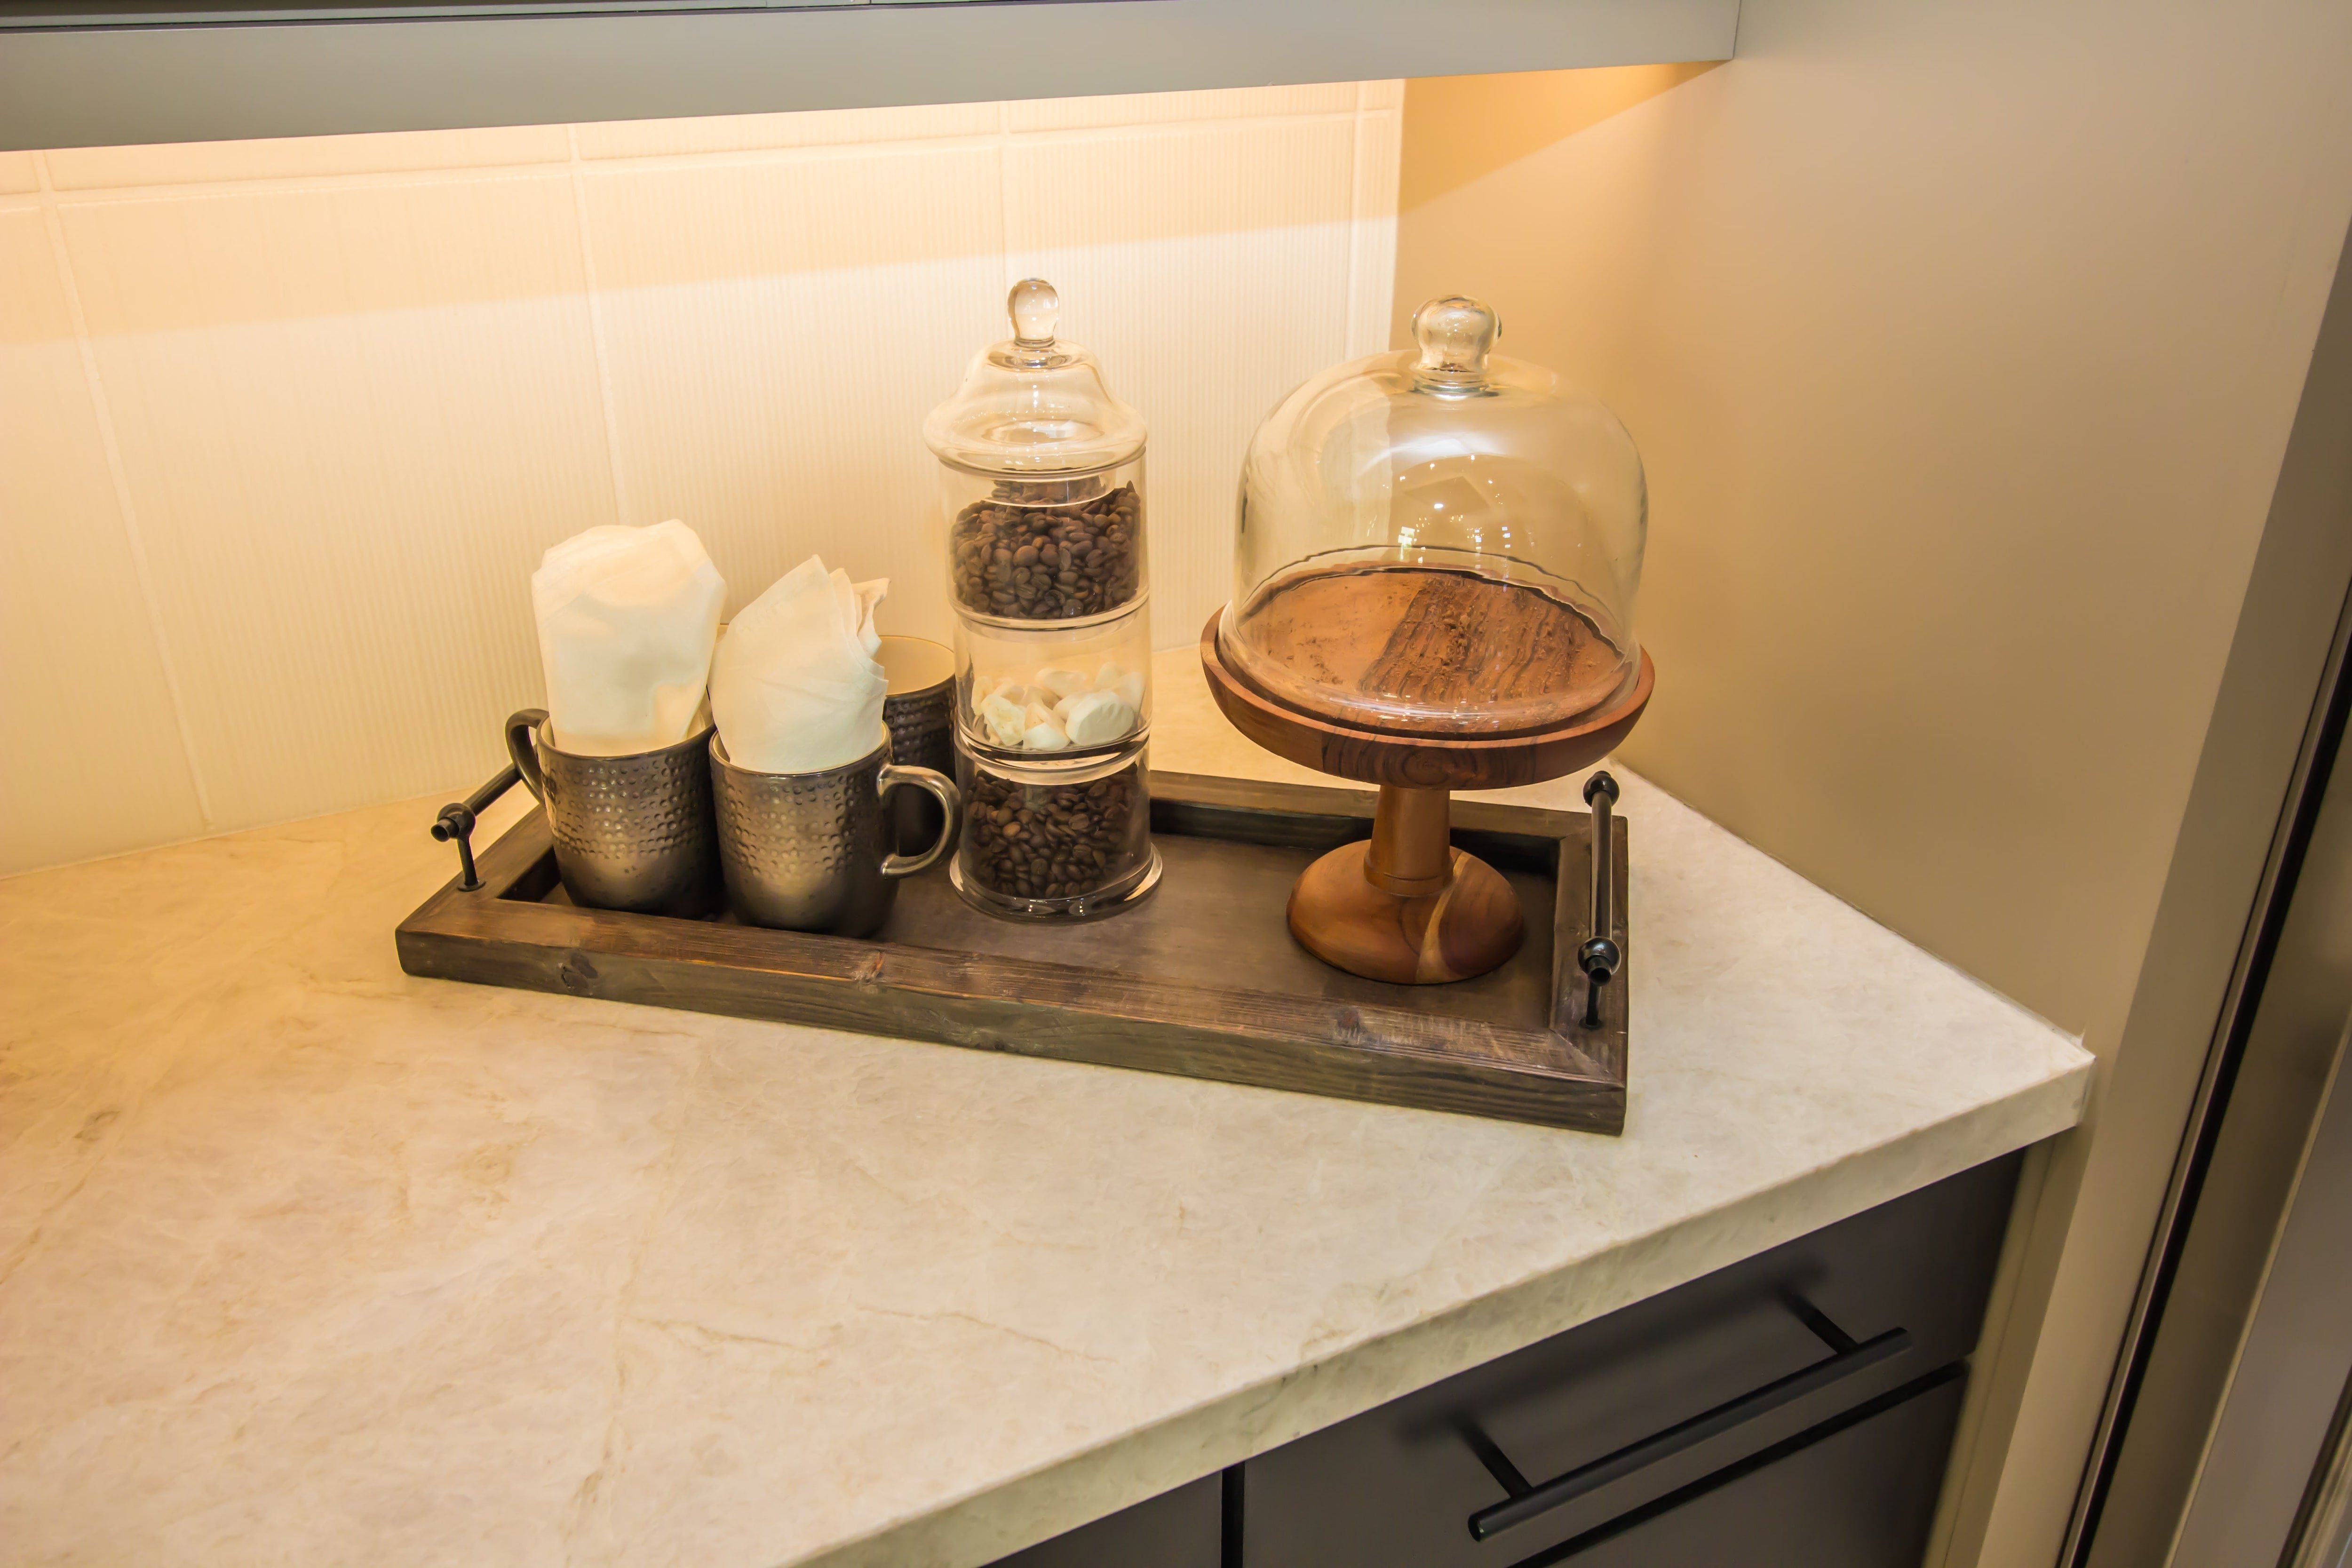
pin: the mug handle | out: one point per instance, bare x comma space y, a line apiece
941, 787
521, 745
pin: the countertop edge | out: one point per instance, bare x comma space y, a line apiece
977, 1530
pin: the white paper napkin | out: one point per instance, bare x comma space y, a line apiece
626, 620
795, 687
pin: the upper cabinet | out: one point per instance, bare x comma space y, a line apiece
94, 72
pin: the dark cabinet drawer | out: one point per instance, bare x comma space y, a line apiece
1604, 1422
1174, 1529
1858, 1492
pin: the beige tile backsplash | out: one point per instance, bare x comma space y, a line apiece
298, 157
822, 128
339, 501
92, 756
1339, 97
285, 426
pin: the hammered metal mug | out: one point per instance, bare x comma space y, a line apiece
631, 833
812, 851
919, 709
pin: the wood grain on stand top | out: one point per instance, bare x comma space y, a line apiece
1420, 761
1202, 980
1430, 651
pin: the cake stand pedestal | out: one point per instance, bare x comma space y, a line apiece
1405, 905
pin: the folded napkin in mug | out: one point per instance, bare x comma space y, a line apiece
795, 687
627, 617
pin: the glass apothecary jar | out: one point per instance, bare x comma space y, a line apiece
1057, 840
1439, 542
1041, 488
1024, 694
1041, 478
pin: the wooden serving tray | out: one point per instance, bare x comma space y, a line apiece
1202, 979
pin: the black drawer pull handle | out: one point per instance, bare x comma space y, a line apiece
1526, 1502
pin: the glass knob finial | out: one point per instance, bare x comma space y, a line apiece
1034, 309
1456, 335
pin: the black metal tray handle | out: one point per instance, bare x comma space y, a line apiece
456, 821
1849, 1358
1599, 955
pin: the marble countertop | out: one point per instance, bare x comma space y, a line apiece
305, 1261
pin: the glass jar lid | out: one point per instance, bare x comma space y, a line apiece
1034, 403
1439, 542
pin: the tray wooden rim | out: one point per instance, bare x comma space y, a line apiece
1562, 1076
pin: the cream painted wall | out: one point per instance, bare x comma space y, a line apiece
1962, 342
285, 426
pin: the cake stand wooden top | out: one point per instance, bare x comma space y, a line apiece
1420, 761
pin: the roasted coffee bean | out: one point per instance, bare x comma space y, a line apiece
1048, 562
1054, 841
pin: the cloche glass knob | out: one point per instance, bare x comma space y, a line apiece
1456, 335
1035, 308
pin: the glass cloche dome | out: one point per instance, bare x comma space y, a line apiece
1440, 541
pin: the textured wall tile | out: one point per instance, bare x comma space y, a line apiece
814, 127
1379, 145
1154, 108
208, 259
91, 756
1134, 185
1209, 268
18, 174
775, 402
344, 496
791, 212
296, 157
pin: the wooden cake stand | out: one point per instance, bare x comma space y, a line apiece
1406, 905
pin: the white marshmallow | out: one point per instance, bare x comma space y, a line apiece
1098, 717
1045, 737
1006, 721
1062, 682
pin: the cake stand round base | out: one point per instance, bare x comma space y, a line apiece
1469, 926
